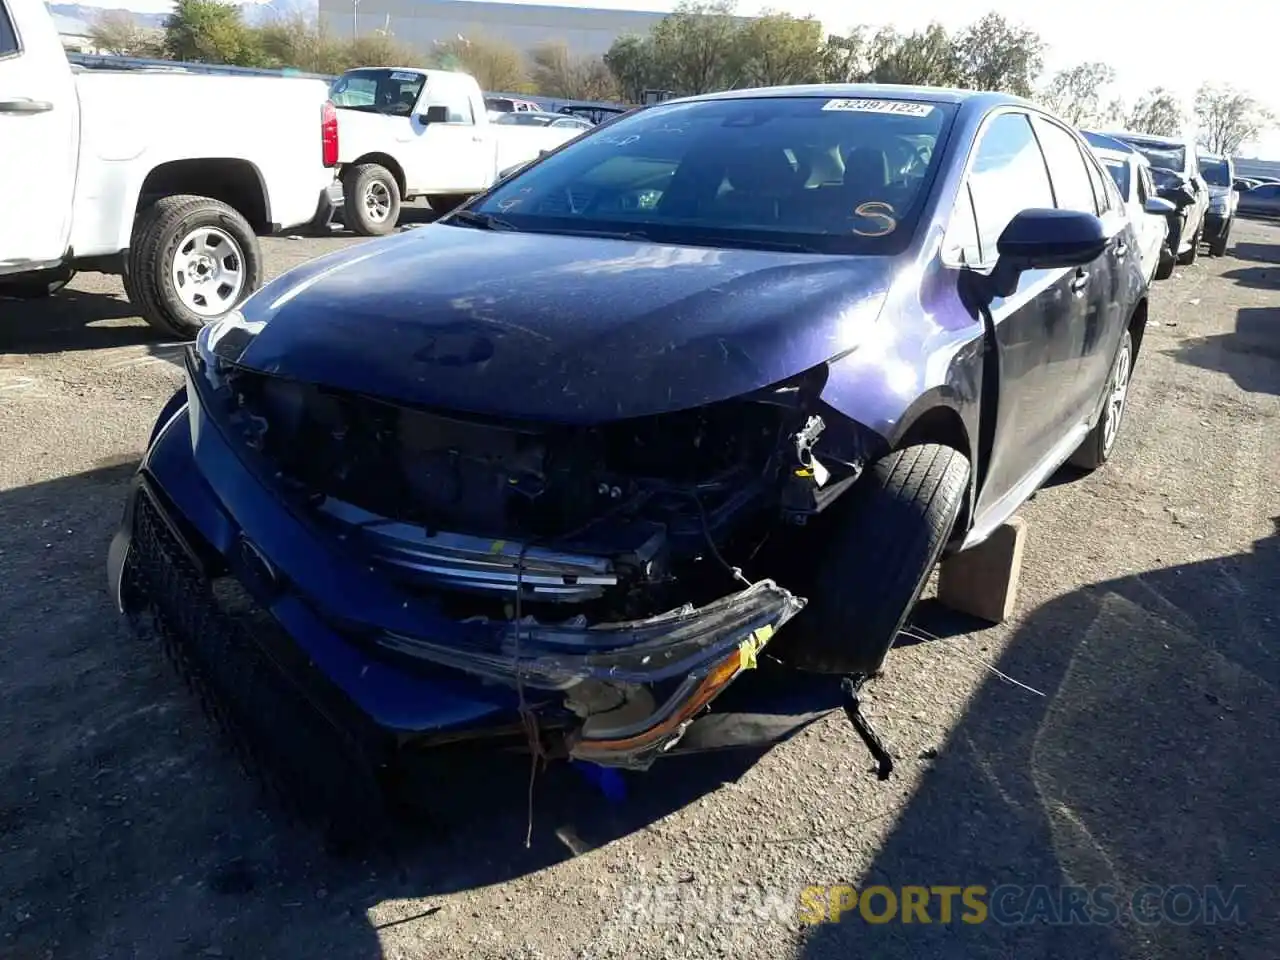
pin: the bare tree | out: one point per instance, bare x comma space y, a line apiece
495, 65
557, 73
1228, 118
1076, 94
117, 33
1158, 113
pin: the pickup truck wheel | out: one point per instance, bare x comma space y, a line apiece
36, 286
370, 199
192, 261
1097, 446
885, 538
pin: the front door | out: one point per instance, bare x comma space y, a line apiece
1009, 175
38, 126
453, 156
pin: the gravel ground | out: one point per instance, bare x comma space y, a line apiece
1146, 626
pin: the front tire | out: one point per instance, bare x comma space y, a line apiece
1097, 446
1190, 256
192, 260
1164, 266
370, 199
886, 537
1219, 246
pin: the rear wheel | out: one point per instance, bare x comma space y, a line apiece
1097, 446
191, 261
370, 199
887, 535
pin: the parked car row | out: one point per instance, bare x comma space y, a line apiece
737, 371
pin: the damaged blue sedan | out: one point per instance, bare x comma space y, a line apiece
706, 392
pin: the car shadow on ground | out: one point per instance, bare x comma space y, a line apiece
1142, 768
131, 830
415, 214
1250, 354
73, 320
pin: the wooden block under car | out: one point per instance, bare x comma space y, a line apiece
983, 581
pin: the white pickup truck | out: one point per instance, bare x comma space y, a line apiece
404, 132
165, 179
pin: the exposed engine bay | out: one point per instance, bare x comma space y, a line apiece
623, 520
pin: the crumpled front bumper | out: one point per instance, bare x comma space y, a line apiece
387, 667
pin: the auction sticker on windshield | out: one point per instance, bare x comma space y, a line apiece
405, 76
901, 107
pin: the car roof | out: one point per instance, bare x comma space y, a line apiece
1147, 138
880, 91
1104, 141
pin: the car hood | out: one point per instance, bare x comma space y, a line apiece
559, 328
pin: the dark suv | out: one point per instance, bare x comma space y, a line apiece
1219, 174
1175, 168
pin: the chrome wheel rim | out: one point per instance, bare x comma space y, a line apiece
377, 201
1117, 398
208, 271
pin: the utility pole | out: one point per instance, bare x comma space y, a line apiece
355, 21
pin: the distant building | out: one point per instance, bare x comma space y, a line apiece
420, 23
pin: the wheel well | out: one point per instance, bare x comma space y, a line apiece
943, 425
236, 183
1138, 325
388, 161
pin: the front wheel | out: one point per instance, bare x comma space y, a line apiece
1097, 446
370, 199
192, 260
1190, 256
885, 537
1218, 247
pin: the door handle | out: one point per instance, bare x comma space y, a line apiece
477, 139
1080, 282
25, 105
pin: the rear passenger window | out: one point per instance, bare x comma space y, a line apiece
1072, 186
8, 38
1007, 177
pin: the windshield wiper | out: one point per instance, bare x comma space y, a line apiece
485, 221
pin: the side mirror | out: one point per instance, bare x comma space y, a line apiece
1159, 206
437, 114
1045, 239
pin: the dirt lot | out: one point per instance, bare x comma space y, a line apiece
1146, 753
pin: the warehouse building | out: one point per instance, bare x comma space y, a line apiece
420, 23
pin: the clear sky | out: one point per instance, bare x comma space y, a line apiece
1148, 42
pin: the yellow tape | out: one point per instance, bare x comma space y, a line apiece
498, 546
751, 646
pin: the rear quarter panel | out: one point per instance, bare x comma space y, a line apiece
273, 123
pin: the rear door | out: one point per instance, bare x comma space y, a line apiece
1083, 347
1008, 175
38, 127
